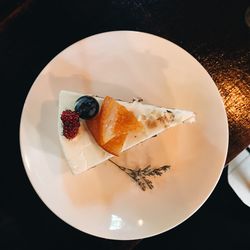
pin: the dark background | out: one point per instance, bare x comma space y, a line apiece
33, 32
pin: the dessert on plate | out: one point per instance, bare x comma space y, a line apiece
93, 129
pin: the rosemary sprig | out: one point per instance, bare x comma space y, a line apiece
140, 175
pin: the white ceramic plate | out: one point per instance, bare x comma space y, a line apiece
104, 201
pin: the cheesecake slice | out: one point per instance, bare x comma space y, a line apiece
139, 123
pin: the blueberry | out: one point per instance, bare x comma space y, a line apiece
87, 107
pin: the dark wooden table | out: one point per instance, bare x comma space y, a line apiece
32, 32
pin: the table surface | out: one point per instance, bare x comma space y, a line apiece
216, 33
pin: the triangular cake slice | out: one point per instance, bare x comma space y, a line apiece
142, 121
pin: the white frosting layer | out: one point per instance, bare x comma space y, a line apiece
83, 152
